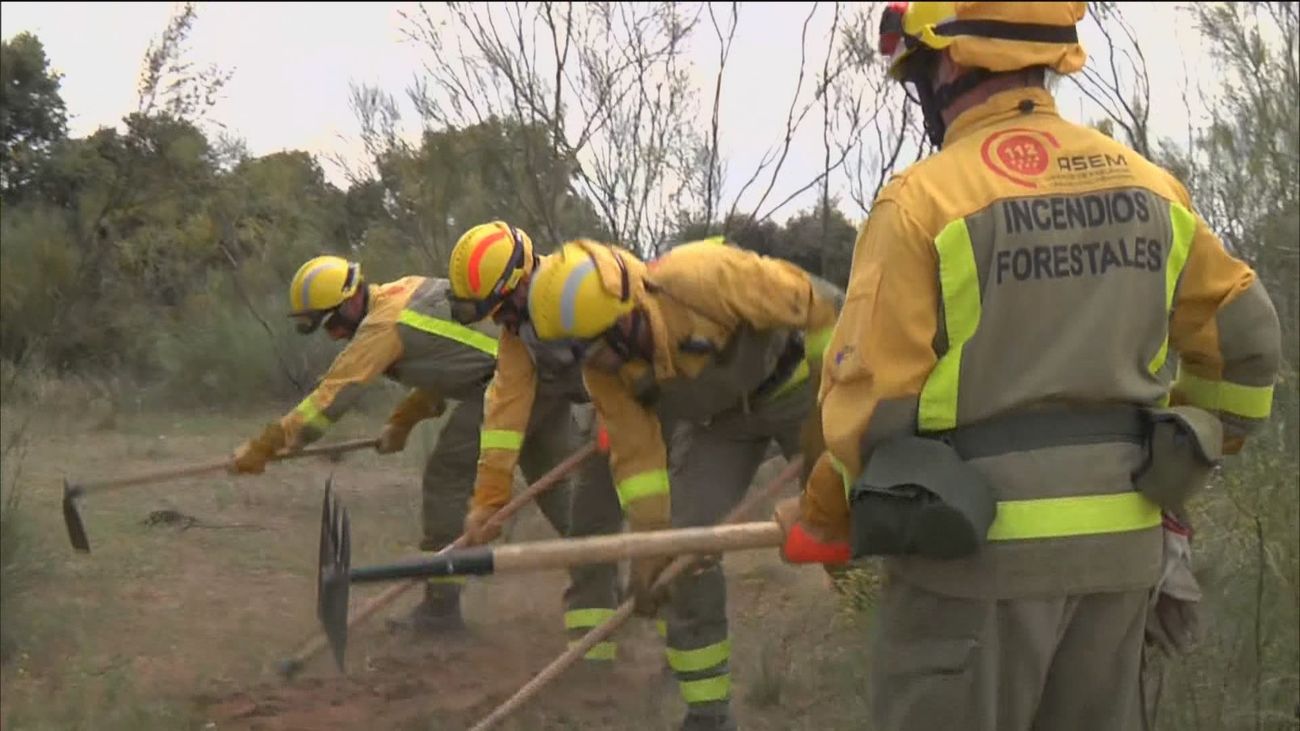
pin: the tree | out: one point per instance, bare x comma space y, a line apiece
32, 113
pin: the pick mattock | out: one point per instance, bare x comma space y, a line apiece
600, 633
335, 577
74, 491
320, 640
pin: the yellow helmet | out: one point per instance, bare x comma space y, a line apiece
321, 285
487, 264
997, 36
579, 292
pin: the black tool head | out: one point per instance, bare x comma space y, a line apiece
332, 578
72, 517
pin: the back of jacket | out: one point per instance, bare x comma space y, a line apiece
1037, 264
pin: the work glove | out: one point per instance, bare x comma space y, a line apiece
477, 531
647, 514
1173, 614
251, 457
642, 575
804, 543
602, 437
416, 407
393, 438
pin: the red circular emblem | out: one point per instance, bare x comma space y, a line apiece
1018, 154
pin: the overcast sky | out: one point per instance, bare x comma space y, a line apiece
292, 64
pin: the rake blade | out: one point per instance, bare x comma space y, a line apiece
72, 518
332, 578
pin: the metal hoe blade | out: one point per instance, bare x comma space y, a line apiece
72, 518
332, 578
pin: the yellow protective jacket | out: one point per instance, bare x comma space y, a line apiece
1034, 262
719, 316
527, 368
408, 336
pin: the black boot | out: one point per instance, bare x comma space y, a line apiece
437, 614
708, 721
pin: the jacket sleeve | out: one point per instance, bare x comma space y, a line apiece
741, 286
1226, 333
371, 351
637, 454
508, 406
880, 353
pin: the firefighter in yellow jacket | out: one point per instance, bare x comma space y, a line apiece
994, 398
528, 414
712, 346
402, 330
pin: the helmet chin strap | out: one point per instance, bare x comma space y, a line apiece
934, 100
352, 325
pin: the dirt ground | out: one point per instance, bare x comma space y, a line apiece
180, 628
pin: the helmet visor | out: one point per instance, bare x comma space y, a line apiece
308, 322
467, 311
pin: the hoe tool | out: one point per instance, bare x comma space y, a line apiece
308, 649
336, 575
73, 492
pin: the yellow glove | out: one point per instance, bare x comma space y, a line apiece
649, 513
252, 456
393, 438
477, 531
416, 407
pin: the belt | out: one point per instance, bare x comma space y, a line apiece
787, 366
1030, 430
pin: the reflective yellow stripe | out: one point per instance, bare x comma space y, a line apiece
1073, 516
644, 485
816, 343
600, 651
844, 476
1249, 402
501, 439
312, 416
448, 580
693, 661
449, 330
709, 689
661, 628
1184, 226
799, 376
585, 618
959, 281
1058, 517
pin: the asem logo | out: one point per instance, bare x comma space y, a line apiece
1079, 163
1019, 154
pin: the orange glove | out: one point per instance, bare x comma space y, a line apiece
251, 457
804, 543
602, 438
642, 574
416, 407
647, 514
477, 531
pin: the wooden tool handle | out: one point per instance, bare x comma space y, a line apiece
541, 555
210, 467
600, 633
313, 645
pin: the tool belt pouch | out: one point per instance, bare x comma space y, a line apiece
917, 497
1184, 445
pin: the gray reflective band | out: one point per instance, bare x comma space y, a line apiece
1042, 429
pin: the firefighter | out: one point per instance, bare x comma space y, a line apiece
403, 330
709, 349
527, 417
1043, 352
